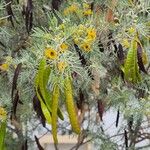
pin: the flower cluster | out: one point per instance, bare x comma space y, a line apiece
71, 9
78, 9
87, 9
55, 54
85, 37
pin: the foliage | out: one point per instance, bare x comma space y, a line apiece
91, 56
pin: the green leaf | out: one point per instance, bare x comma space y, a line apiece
131, 70
2, 134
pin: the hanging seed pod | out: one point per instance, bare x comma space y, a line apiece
2, 134
126, 139
101, 108
120, 54
81, 100
71, 106
15, 78
37, 108
140, 58
130, 123
117, 118
38, 83
38, 143
55, 101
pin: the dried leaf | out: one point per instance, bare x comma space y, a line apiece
109, 15
140, 58
38, 143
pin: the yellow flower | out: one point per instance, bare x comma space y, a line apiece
4, 67
61, 66
81, 27
131, 30
76, 41
87, 12
71, 9
86, 6
86, 47
63, 47
50, 53
125, 43
3, 113
91, 33
62, 26
66, 11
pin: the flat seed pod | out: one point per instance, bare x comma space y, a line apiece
71, 106
44, 108
131, 70
38, 143
2, 134
140, 58
55, 101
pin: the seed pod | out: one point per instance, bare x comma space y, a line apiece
101, 109
117, 118
71, 106
140, 58
126, 139
55, 100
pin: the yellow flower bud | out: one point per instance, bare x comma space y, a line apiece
3, 113
4, 67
